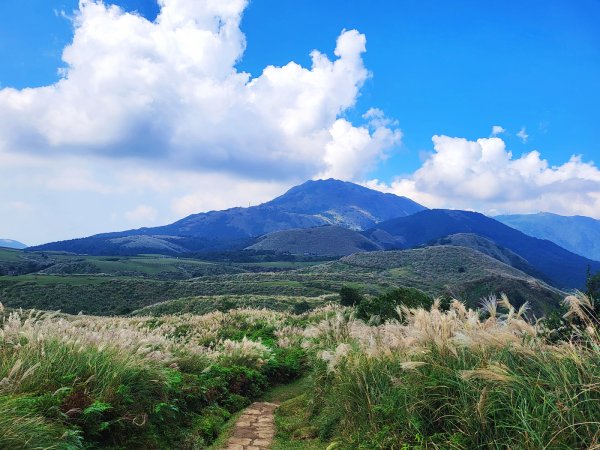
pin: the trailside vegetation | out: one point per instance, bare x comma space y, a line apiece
436, 375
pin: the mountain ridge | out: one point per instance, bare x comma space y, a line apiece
561, 267
311, 204
578, 234
10, 243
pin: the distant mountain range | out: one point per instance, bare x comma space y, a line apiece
312, 204
578, 234
558, 266
9, 243
335, 218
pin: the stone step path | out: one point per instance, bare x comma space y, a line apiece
255, 428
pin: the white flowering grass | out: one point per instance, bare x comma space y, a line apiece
460, 378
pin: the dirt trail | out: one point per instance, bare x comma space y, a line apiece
255, 428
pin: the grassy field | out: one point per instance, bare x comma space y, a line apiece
121, 285
69, 382
203, 305
449, 379
441, 377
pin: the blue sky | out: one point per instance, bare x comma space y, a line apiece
451, 68
454, 68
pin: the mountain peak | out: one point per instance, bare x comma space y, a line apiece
311, 204
323, 195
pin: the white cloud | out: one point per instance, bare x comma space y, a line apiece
485, 176
522, 134
496, 130
354, 151
238, 193
168, 90
142, 214
156, 113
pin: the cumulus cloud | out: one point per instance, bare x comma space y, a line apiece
485, 176
169, 91
354, 150
157, 113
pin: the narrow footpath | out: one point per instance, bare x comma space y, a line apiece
255, 428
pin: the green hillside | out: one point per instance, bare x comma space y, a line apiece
321, 241
459, 272
123, 285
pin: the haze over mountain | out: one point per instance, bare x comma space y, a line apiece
311, 204
561, 267
9, 243
578, 234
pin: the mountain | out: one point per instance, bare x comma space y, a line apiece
490, 248
9, 243
561, 267
460, 272
318, 241
312, 204
578, 234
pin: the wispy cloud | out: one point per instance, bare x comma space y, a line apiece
496, 130
522, 134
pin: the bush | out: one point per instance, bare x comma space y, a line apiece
350, 296
385, 305
286, 365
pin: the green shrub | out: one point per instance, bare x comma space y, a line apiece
350, 296
286, 365
384, 306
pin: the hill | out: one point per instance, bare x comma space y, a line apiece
120, 285
459, 272
318, 241
9, 243
577, 234
561, 267
490, 248
312, 204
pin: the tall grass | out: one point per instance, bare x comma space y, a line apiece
456, 379
80, 381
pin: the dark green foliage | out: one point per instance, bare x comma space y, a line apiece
224, 303
593, 286
384, 306
350, 296
301, 307
219, 383
287, 364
